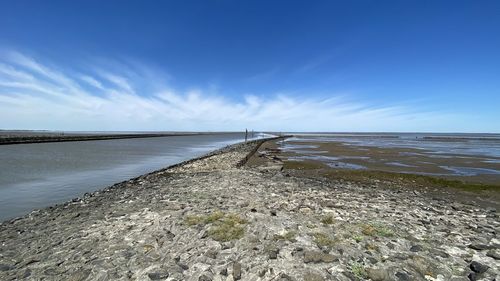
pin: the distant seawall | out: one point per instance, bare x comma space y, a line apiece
65, 138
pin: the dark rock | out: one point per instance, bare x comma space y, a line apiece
236, 271
273, 213
27, 273
491, 210
416, 248
273, 254
223, 272
253, 210
5, 267
169, 235
390, 245
402, 276
473, 276
493, 254
479, 246
478, 267
183, 266
158, 275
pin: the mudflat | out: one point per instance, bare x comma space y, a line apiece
347, 156
242, 214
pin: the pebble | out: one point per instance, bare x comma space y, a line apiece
478, 267
158, 275
5, 267
479, 247
402, 276
416, 248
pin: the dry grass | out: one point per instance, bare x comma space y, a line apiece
223, 227
323, 240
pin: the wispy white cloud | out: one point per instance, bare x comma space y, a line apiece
92, 81
312, 64
38, 96
262, 76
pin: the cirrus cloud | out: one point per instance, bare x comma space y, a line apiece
34, 95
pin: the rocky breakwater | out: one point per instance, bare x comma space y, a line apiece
213, 219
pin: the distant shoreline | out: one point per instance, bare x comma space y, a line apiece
17, 139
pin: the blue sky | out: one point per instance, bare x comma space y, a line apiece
268, 65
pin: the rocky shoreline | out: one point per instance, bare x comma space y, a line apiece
215, 218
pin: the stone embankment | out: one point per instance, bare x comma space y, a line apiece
213, 219
54, 137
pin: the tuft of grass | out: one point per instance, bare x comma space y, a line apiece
288, 236
230, 227
376, 229
328, 219
224, 227
214, 216
358, 270
323, 240
193, 220
203, 219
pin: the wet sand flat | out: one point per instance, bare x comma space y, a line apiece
342, 155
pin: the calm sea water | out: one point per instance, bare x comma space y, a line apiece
33, 176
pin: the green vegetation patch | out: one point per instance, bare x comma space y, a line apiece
223, 227
358, 270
